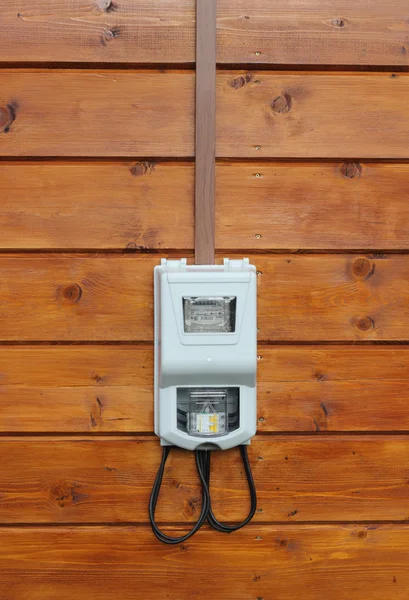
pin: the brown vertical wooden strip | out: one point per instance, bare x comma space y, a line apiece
205, 131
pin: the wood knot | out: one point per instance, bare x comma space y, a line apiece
362, 267
109, 34
239, 82
72, 293
281, 104
142, 168
189, 507
4, 116
7, 116
364, 323
362, 534
338, 22
351, 170
65, 493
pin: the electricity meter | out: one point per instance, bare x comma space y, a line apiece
205, 354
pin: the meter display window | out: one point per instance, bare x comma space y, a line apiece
211, 314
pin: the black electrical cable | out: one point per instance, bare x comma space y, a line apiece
154, 499
213, 521
203, 468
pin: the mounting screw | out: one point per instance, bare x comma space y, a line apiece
259, 357
257, 175
257, 236
257, 147
259, 272
259, 537
257, 53
261, 419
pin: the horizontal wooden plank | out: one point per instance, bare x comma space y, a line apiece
76, 298
108, 479
333, 297
319, 205
76, 389
314, 32
129, 31
270, 562
91, 113
77, 408
108, 205
317, 32
148, 113
109, 298
108, 389
265, 114
339, 388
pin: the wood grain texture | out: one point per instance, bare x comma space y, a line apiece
96, 205
109, 298
253, 561
108, 389
108, 479
76, 389
338, 388
129, 31
313, 32
205, 128
123, 204
264, 114
91, 113
317, 32
274, 563
137, 203
63, 297
148, 113
324, 206
333, 297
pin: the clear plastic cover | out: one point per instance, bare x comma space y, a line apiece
211, 314
208, 411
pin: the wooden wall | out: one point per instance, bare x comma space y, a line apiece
96, 184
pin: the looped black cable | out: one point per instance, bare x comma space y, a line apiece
213, 521
203, 468
154, 499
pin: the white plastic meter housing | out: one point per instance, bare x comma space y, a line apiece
205, 353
